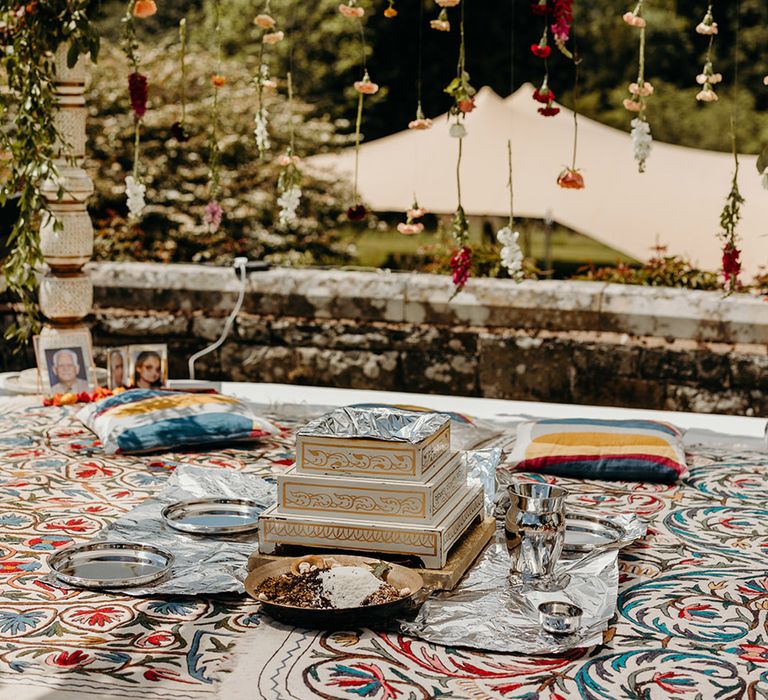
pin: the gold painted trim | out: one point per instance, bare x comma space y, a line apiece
422, 496
273, 520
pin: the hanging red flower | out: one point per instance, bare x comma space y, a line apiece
541, 50
544, 94
137, 89
461, 265
540, 8
356, 213
571, 179
731, 264
549, 111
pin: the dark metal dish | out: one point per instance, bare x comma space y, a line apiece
323, 618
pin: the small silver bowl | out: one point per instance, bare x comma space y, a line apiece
559, 617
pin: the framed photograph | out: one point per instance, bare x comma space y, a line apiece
65, 362
117, 367
147, 366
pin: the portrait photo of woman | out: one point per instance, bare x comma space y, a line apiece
148, 366
117, 367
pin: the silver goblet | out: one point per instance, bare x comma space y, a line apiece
535, 530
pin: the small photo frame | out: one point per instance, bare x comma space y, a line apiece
147, 366
117, 368
65, 362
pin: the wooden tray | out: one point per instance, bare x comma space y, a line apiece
460, 558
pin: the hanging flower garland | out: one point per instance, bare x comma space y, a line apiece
412, 226
463, 103
271, 36
179, 128
544, 94
639, 91
357, 212
135, 189
571, 178
390, 12
289, 180
511, 254
708, 78
213, 210
420, 123
731, 214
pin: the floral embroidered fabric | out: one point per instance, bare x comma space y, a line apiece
691, 621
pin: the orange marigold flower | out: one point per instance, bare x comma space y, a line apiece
218, 80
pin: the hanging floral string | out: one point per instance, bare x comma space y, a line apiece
390, 12
511, 254
412, 226
135, 189
572, 178
708, 78
639, 91
179, 128
544, 94
459, 89
731, 214
271, 36
213, 210
420, 122
289, 180
366, 86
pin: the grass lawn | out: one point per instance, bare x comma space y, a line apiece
569, 249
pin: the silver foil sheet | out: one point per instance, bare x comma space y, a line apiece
481, 469
203, 565
379, 423
486, 612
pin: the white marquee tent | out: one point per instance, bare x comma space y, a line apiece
676, 203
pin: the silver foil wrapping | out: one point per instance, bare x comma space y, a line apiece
378, 423
204, 565
486, 612
481, 469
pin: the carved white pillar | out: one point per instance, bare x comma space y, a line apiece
66, 292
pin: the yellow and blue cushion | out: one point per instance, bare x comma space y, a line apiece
149, 420
611, 450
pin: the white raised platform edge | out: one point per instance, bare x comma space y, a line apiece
490, 409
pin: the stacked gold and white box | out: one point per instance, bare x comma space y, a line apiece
374, 480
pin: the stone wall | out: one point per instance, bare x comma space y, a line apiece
571, 342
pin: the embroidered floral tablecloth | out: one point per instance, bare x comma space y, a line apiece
692, 619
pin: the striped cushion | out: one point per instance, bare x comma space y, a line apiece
613, 450
149, 420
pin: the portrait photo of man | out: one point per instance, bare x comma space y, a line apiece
67, 371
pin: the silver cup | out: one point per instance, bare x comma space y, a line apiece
535, 529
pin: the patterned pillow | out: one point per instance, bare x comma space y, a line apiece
611, 450
149, 420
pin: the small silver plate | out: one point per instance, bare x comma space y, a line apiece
585, 533
214, 516
110, 564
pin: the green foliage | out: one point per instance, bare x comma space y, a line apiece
176, 174
30, 36
659, 271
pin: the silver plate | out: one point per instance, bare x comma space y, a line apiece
213, 516
110, 564
584, 533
